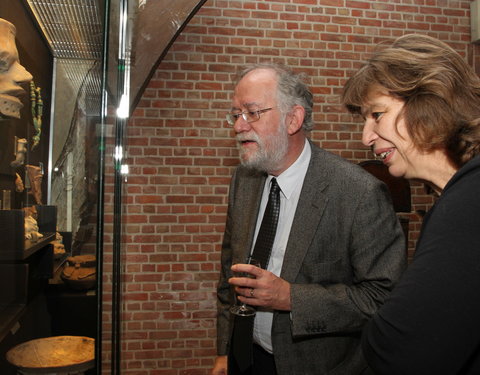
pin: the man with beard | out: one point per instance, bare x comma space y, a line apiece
329, 268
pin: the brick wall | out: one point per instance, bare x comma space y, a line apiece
181, 153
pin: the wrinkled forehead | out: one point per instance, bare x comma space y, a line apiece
257, 87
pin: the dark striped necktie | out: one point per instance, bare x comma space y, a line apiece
268, 228
242, 339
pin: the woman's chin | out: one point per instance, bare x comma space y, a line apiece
396, 172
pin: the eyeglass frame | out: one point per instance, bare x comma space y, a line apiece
233, 117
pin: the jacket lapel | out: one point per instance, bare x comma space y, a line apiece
252, 189
307, 218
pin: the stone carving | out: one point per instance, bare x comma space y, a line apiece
19, 187
20, 152
31, 225
58, 246
31, 211
12, 74
35, 176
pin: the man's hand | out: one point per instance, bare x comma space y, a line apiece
220, 366
265, 290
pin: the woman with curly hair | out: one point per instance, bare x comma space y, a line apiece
420, 102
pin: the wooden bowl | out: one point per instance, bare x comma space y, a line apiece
53, 355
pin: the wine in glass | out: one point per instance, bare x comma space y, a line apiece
240, 308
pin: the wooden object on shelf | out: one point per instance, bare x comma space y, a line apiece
80, 272
67, 354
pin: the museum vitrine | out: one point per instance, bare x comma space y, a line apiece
66, 94
53, 121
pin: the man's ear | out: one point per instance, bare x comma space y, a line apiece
295, 119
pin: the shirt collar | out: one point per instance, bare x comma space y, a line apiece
289, 179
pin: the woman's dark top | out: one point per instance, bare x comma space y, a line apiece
430, 324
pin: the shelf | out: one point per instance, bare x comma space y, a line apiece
29, 248
9, 315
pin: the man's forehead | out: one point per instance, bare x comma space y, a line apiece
249, 104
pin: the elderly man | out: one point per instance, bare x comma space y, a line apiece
329, 267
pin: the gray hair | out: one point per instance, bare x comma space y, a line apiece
291, 90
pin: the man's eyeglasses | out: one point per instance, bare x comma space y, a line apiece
248, 116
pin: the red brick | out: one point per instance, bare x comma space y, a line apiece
182, 153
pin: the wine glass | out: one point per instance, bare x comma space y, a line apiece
240, 308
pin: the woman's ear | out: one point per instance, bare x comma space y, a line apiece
295, 119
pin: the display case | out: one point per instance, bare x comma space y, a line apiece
49, 170
65, 154
30, 269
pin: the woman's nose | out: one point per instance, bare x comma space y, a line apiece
368, 134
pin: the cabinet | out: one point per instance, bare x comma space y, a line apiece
25, 269
31, 270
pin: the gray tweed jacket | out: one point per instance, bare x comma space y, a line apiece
345, 252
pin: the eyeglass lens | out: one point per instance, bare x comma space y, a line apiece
249, 116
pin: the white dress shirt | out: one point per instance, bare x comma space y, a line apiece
290, 182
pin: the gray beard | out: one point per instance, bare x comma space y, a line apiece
269, 158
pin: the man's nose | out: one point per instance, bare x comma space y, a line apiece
241, 125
